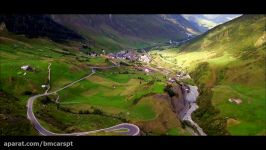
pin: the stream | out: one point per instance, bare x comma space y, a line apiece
190, 98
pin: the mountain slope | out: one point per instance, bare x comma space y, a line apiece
38, 26
126, 31
236, 71
234, 36
182, 22
110, 32
205, 22
228, 64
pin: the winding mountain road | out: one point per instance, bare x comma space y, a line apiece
123, 128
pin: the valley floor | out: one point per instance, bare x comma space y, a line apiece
107, 98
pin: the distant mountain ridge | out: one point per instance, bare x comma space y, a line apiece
206, 22
182, 22
125, 31
105, 31
38, 26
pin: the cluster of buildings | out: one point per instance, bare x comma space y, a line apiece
130, 55
144, 58
179, 76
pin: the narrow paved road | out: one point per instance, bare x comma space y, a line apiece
124, 128
49, 78
71, 84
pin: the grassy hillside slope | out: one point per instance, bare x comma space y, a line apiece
227, 62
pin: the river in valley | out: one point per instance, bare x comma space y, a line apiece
190, 94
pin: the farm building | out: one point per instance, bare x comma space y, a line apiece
26, 68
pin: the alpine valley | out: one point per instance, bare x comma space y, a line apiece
110, 74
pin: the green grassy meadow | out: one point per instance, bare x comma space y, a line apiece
107, 98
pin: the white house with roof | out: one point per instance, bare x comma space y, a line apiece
25, 67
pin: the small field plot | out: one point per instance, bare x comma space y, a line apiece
113, 93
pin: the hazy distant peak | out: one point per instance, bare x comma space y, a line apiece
205, 22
